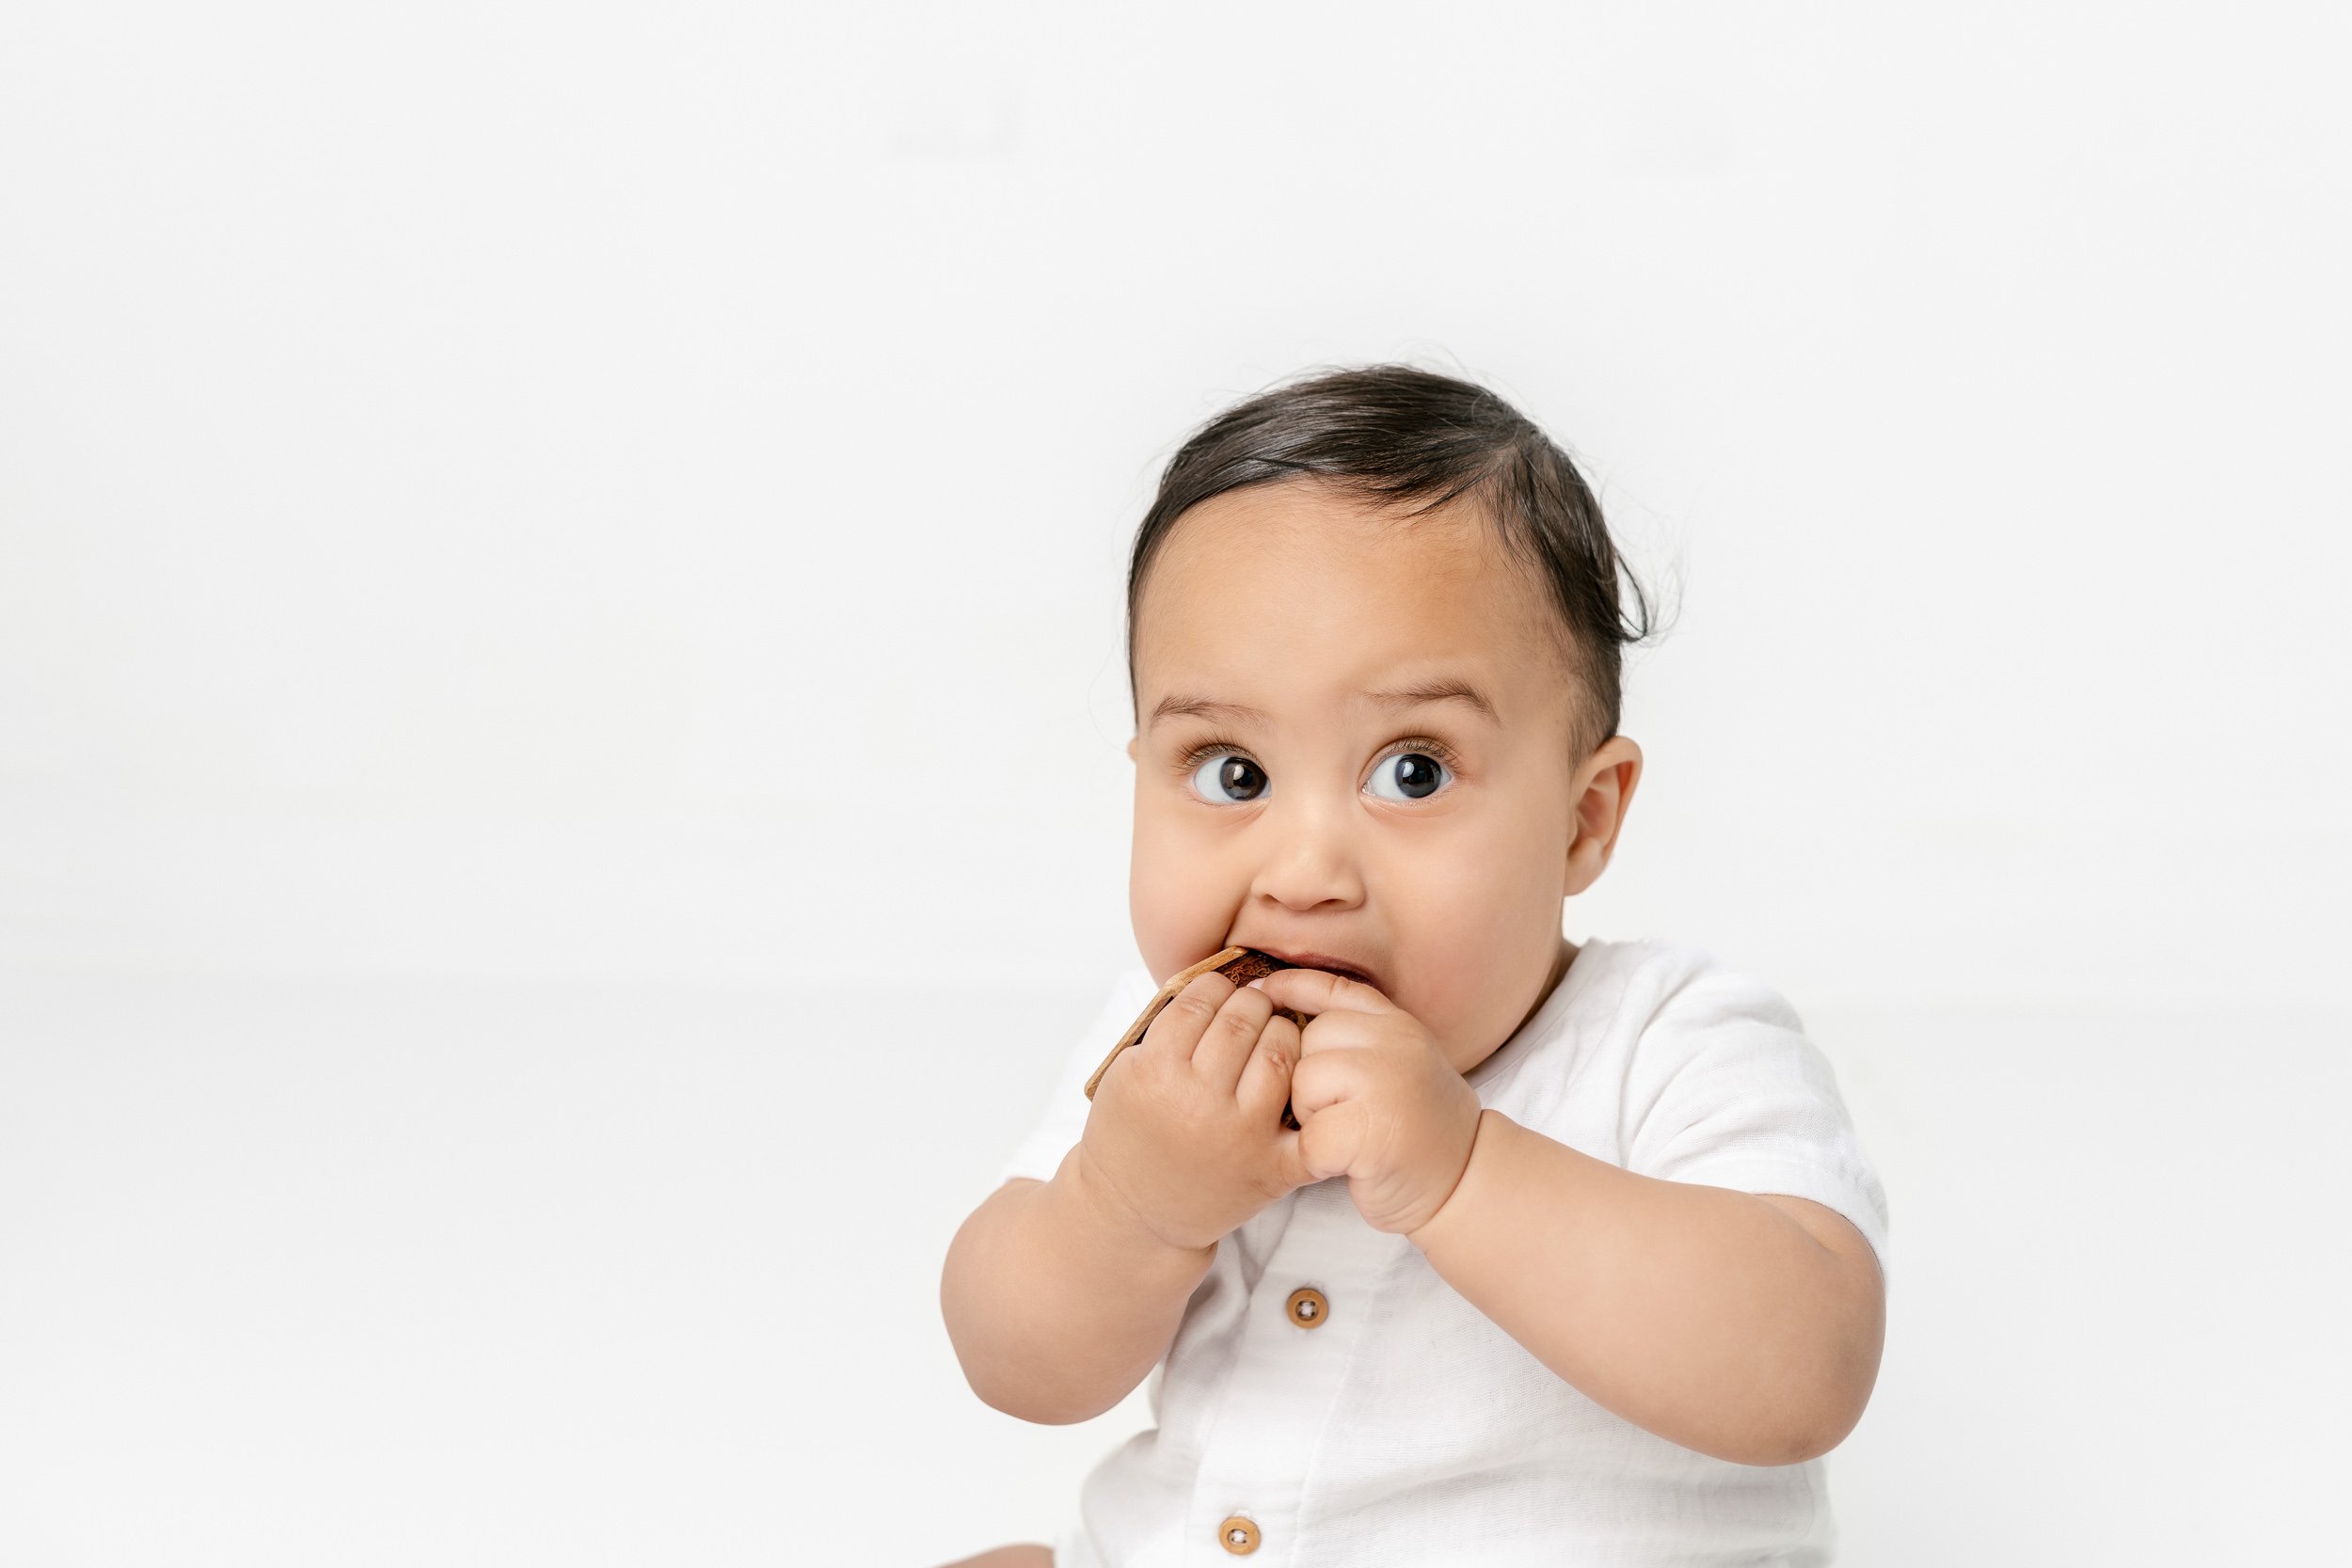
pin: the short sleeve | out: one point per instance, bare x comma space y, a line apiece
1730, 1093
1064, 1116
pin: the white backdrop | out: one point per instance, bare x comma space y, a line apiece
560, 653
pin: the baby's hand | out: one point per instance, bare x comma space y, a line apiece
1187, 1136
1376, 1101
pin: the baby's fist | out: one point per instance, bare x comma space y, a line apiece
1377, 1101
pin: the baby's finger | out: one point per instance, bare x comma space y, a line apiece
1180, 1025
1290, 1161
1266, 1077
1228, 1040
1319, 990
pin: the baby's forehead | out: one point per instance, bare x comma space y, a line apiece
1321, 580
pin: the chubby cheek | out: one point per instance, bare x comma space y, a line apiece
1177, 900
1467, 961
1448, 978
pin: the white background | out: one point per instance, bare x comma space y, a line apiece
561, 707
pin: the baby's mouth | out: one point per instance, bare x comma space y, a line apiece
1323, 961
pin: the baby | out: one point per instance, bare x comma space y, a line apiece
1573, 1255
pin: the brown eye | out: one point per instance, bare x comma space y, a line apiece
1229, 776
1416, 774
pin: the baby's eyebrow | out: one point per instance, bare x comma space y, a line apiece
1446, 688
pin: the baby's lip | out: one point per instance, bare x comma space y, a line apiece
1319, 960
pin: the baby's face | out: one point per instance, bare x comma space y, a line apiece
1425, 843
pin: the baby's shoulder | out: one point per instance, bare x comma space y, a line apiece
1632, 1012
1666, 1045
1646, 985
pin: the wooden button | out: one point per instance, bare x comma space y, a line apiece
1238, 1536
1308, 1307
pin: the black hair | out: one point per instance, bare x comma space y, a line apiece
1411, 438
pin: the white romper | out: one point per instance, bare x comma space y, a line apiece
1403, 1427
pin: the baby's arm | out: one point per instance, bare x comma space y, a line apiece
1746, 1327
1057, 1303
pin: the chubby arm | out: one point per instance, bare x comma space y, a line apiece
1744, 1326
1055, 1306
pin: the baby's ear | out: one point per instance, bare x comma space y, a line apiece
1131, 748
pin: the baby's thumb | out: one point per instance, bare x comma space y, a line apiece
1290, 1161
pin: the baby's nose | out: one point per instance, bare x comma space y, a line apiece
1313, 848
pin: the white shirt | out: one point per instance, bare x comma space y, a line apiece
1404, 1427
